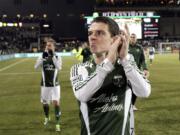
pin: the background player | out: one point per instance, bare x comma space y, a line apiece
86, 53
137, 51
50, 88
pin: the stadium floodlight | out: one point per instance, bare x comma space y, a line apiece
1, 24
31, 15
15, 24
46, 25
18, 15
4, 24
4, 16
20, 24
45, 15
10, 24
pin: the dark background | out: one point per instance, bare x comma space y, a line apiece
67, 15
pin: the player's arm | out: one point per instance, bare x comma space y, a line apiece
140, 85
84, 89
57, 62
38, 63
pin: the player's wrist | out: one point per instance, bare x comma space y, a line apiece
51, 53
124, 61
45, 54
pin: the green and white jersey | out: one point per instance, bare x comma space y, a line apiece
104, 95
139, 57
50, 67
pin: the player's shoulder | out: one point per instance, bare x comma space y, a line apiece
57, 56
81, 66
75, 66
139, 46
130, 57
131, 60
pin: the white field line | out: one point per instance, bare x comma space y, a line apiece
11, 65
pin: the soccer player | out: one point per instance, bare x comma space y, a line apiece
50, 87
137, 51
151, 54
86, 53
103, 85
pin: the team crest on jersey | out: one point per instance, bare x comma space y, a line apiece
137, 50
118, 80
49, 67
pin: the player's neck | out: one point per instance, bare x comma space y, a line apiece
133, 44
98, 58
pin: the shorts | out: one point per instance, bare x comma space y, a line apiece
48, 94
151, 56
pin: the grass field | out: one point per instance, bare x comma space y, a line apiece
21, 111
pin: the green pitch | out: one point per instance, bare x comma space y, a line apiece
21, 111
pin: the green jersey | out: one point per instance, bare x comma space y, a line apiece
139, 57
50, 67
86, 53
104, 95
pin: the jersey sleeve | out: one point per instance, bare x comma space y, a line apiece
57, 62
38, 63
140, 85
85, 85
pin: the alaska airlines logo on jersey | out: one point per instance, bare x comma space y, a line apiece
118, 81
109, 108
49, 67
104, 99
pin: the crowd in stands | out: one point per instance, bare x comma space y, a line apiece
68, 46
117, 3
18, 40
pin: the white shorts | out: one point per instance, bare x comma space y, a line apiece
151, 56
48, 94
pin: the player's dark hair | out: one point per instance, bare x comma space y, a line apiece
112, 25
